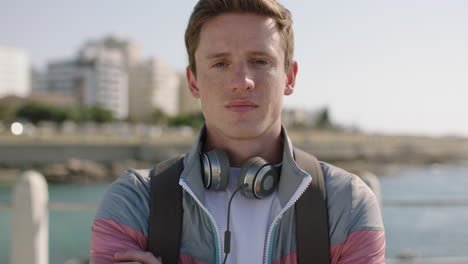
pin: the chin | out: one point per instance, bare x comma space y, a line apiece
245, 129
243, 134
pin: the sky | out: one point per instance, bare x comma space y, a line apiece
398, 66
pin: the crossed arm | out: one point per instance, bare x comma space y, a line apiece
113, 242
136, 256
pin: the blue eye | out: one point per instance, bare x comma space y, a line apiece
260, 61
219, 65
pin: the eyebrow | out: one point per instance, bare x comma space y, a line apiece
217, 55
225, 54
261, 53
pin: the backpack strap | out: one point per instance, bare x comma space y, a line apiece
165, 221
311, 214
312, 238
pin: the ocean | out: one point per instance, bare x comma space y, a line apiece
427, 231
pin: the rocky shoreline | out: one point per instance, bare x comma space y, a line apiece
97, 162
75, 171
87, 171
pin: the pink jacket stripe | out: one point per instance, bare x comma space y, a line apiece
108, 237
364, 247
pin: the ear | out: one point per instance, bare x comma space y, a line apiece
192, 82
291, 79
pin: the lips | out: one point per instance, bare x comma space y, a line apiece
241, 106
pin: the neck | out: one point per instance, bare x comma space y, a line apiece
268, 146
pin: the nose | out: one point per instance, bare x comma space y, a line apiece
242, 80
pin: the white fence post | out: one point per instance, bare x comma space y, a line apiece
30, 220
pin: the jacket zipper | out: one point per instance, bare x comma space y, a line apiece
220, 242
300, 190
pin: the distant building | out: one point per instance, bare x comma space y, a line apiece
64, 76
153, 85
39, 81
187, 103
14, 72
45, 98
109, 72
54, 99
130, 50
97, 77
104, 81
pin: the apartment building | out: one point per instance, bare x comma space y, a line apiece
153, 85
97, 77
15, 73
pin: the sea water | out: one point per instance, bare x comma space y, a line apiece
429, 231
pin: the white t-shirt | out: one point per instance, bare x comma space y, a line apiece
250, 220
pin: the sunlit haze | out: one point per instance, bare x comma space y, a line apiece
383, 66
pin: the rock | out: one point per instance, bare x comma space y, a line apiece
56, 172
87, 170
9, 176
75, 170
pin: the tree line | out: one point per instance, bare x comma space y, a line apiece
36, 112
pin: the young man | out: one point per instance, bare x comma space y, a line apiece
241, 66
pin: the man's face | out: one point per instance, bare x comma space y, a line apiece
241, 78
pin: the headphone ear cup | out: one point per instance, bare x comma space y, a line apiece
266, 181
215, 170
260, 176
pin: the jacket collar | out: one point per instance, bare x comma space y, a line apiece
290, 179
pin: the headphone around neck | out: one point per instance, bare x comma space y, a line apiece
259, 177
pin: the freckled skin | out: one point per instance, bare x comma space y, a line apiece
241, 78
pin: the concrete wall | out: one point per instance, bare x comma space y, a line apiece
334, 149
27, 155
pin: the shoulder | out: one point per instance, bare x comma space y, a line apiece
126, 201
121, 218
352, 206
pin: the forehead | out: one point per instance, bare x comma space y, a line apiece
236, 31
